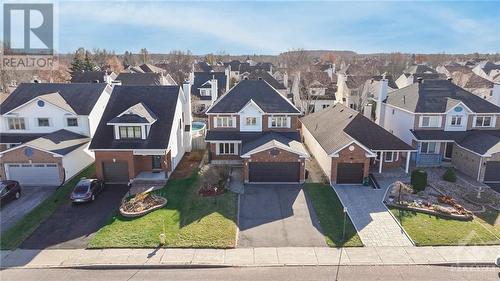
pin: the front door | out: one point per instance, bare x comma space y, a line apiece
449, 150
156, 162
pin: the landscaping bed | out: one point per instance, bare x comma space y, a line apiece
188, 220
141, 204
330, 213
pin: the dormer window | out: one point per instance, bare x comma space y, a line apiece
130, 132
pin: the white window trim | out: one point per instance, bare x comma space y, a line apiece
233, 119
252, 123
392, 153
436, 149
492, 122
287, 122
217, 148
17, 117
71, 117
457, 117
439, 118
38, 123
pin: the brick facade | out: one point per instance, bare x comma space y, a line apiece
18, 156
358, 155
136, 163
265, 156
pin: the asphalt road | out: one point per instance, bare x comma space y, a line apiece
72, 226
352, 273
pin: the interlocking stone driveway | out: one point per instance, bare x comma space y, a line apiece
277, 216
374, 223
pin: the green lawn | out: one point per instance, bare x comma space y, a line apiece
187, 220
331, 216
428, 230
13, 237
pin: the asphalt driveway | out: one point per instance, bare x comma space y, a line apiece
31, 197
73, 226
277, 216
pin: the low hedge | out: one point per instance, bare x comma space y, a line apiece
450, 175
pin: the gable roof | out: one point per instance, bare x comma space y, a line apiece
478, 141
81, 97
265, 96
200, 78
160, 100
432, 96
138, 113
90, 76
264, 75
274, 140
338, 126
419, 69
147, 79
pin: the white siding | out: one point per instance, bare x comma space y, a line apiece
398, 122
324, 161
98, 109
250, 111
77, 160
176, 141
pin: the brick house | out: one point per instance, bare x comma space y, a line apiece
255, 126
144, 130
447, 125
347, 145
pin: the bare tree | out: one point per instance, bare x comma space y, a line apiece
180, 64
295, 60
114, 64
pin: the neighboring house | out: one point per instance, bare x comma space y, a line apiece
144, 129
316, 91
36, 112
416, 71
264, 75
207, 88
355, 91
447, 125
487, 70
145, 68
479, 86
93, 77
145, 79
450, 69
255, 126
236, 68
347, 145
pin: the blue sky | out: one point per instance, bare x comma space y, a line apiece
273, 27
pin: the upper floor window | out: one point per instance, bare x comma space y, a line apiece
430, 121
224, 122
72, 122
483, 121
130, 132
456, 120
251, 121
43, 122
279, 122
16, 123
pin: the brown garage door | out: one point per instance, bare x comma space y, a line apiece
274, 172
115, 172
350, 173
492, 172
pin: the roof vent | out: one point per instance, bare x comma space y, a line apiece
449, 79
259, 78
246, 78
96, 81
404, 99
36, 81
350, 116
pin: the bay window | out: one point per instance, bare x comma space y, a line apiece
429, 147
227, 148
16, 123
483, 121
279, 122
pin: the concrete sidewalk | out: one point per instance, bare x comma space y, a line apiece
133, 258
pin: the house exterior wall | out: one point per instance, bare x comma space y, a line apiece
176, 142
264, 156
484, 164
319, 103
324, 161
17, 156
77, 160
465, 161
95, 115
398, 122
358, 155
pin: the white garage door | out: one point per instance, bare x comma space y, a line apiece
34, 174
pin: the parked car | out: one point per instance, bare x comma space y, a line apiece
86, 190
9, 190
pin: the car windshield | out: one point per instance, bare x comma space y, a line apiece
82, 188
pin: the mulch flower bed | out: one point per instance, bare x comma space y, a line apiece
208, 191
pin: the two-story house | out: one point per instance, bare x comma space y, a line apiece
412, 73
447, 125
144, 131
206, 88
46, 128
255, 126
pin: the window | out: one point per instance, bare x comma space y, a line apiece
205, 92
483, 121
428, 147
251, 121
227, 149
16, 123
279, 122
430, 121
391, 156
456, 120
72, 122
43, 122
224, 122
325, 106
130, 132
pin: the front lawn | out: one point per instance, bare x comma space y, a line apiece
13, 237
187, 221
428, 230
330, 213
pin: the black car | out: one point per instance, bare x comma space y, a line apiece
9, 190
86, 190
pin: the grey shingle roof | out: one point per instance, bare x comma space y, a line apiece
289, 140
201, 78
264, 75
81, 97
479, 141
61, 142
18, 137
161, 100
88, 77
419, 69
265, 96
433, 96
147, 79
338, 125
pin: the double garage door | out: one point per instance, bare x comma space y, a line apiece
34, 174
274, 172
350, 173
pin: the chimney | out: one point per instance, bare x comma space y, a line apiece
382, 95
285, 79
367, 111
187, 114
214, 89
495, 94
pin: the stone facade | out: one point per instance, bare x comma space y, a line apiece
18, 156
265, 156
136, 163
358, 155
465, 161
